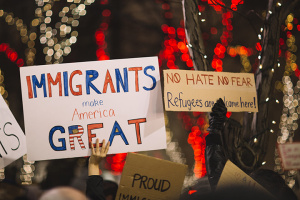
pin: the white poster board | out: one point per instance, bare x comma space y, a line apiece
187, 90
290, 155
68, 105
12, 138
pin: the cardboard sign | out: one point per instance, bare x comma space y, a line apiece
234, 176
12, 138
186, 90
68, 105
290, 155
149, 178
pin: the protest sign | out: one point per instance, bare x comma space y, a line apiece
150, 178
12, 138
68, 105
290, 155
187, 90
234, 176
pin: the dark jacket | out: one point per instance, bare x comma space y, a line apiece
94, 188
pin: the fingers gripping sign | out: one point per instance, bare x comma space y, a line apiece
96, 156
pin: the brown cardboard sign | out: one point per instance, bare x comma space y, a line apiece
233, 176
188, 90
149, 178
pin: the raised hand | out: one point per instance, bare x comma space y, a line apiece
97, 155
217, 116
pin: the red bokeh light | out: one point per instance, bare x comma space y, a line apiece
171, 30
258, 46
20, 62
189, 63
192, 191
99, 35
185, 57
164, 28
106, 13
103, 2
197, 141
3, 47
165, 6
228, 114
213, 30
13, 56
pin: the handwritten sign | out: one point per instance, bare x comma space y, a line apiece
150, 178
68, 105
12, 138
186, 90
234, 176
290, 155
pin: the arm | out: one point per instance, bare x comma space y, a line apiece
215, 158
94, 184
96, 157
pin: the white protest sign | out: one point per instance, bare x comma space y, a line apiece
187, 90
290, 155
12, 138
68, 105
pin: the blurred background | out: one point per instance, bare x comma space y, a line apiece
39, 32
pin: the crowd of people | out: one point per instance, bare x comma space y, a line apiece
99, 189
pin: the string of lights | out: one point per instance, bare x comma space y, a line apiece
114, 162
4, 95
28, 38
58, 40
291, 110
102, 32
12, 55
174, 47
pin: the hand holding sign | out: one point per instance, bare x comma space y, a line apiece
66, 106
96, 156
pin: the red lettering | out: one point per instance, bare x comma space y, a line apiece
199, 79
248, 81
170, 77
238, 81
205, 75
244, 82
29, 86
137, 127
210, 79
77, 86
91, 135
136, 69
232, 80
51, 81
190, 79
104, 111
108, 80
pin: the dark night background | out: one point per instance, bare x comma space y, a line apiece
135, 29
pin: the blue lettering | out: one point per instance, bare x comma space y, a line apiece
153, 79
119, 80
62, 140
36, 83
66, 85
117, 131
90, 76
170, 98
